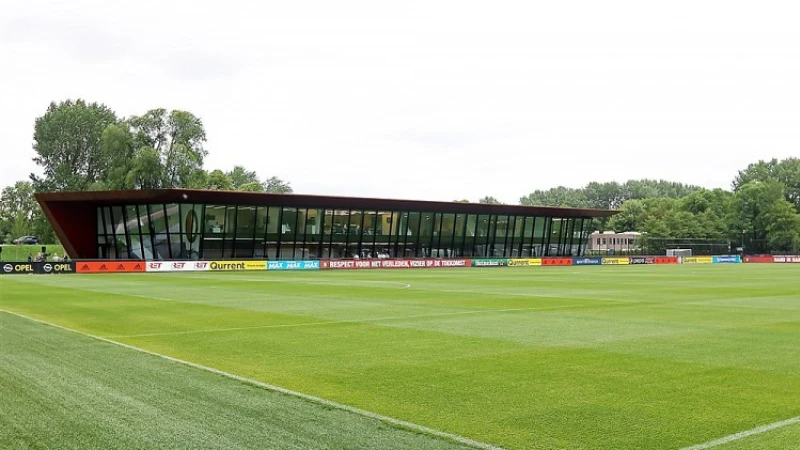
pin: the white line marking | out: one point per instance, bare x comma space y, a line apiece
335, 322
374, 283
402, 424
744, 434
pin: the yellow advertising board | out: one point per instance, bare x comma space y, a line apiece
616, 261
697, 260
525, 262
237, 265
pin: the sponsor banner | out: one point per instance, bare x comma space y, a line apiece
176, 266
57, 267
765, 259
393, 263
236, 265
524, 262
483, 262
786, 259
726, 259
17, 268
557, 261
666, 260
642, 260
697, 260
110, 266
292, 265
588, 261
616, 261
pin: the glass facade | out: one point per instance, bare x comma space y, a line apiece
189, 231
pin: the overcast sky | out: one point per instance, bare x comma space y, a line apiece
433, 100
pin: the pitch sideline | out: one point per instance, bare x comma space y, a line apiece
397, 423
743, 434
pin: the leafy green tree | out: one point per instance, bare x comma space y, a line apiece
559, 196
242, 177
277, 186
177, 137
219, 180
770, 221
68, 145
489, 200
785, 172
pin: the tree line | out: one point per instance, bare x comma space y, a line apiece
84, 146
81, 146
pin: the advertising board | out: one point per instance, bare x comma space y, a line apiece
485, 262
759, 259
176, 266
524, 262
110, 266
616, 261
236, 266
557, 261
697, 260
293, 265
393, 263
726, 259
642, 260
587, 261
56, 267
18, 268
666, 260
782, 259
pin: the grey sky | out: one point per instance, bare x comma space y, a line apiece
425, 99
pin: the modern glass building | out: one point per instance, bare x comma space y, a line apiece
210, 225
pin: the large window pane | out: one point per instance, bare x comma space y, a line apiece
354, 233
214, 227
369, 228
539, 236
134, 232
260, 232
412, 244
482, 236
273, 231
554, 236
458, 238
500, 231
339, 229
288, 232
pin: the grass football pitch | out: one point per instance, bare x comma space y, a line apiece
637, 357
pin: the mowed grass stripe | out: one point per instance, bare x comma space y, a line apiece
659, 362
64, 390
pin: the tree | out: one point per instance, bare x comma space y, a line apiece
461, 201
767, 217
785, 172
67, 142
559, 196
489, 200
241, 177
219, 180
177, 138
20, 214
277, 186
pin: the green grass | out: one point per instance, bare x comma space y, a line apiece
13, 252
656, 357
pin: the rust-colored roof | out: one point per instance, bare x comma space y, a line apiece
302, 200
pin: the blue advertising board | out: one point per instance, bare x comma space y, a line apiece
293, 265
726, 259
588, 261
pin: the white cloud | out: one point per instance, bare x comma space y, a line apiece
425, 100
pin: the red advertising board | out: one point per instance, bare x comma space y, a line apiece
786, 258
393, 263
760, 259
556, 261
109, 266
666, 260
